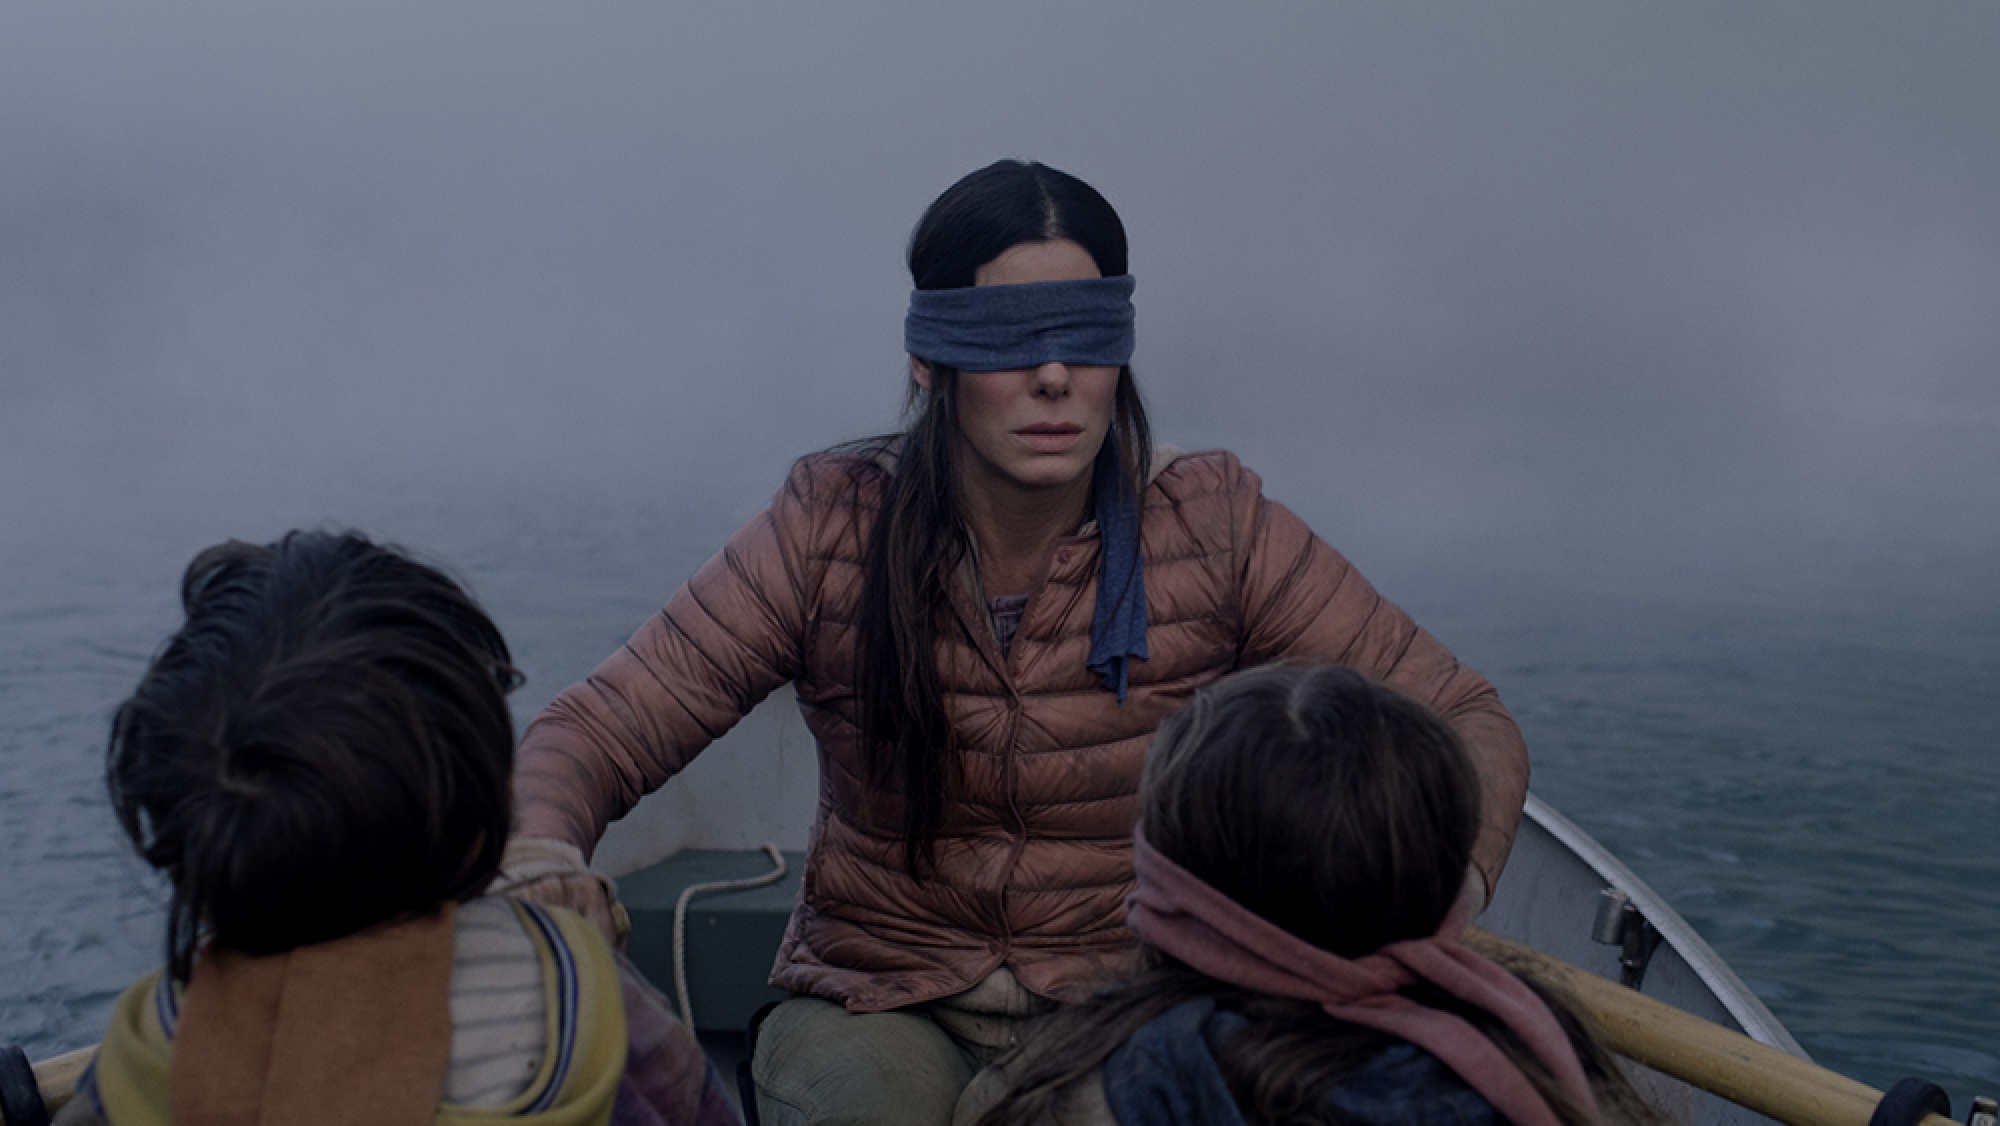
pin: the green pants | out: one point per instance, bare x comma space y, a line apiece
818, 1063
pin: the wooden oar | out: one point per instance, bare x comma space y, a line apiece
1716, 1059
57, 1078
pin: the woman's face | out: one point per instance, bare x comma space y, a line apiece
1032, 429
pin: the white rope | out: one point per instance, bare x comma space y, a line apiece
776, 873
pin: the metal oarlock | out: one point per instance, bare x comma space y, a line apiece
1985, 1112
1620, 924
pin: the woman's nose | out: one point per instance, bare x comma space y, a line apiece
1052, 378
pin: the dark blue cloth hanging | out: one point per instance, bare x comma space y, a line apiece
1118, 628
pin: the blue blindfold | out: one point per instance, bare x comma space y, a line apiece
1006, 327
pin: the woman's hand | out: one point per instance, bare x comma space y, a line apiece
552, 872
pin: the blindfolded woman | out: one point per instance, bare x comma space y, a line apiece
984, 619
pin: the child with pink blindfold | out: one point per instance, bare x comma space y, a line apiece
1300, 858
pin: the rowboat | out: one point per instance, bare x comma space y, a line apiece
705, 918
701, 869
1705, 1049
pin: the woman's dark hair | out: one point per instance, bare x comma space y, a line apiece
1337, 808
324, 745
919, 542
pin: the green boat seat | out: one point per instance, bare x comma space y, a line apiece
732, 936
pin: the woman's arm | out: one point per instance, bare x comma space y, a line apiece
729, 637
1302, 599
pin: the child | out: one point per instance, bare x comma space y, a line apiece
318, 761
1300, 863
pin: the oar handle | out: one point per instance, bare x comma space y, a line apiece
54, 1082
1716, 1059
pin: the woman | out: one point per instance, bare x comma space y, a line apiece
1300, 889
984, 619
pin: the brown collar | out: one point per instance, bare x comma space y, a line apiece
349, 1031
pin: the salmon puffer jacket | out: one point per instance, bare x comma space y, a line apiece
1034, 853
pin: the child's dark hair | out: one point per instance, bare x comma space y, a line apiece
1331, 805
324, 745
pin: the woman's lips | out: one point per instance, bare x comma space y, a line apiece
1049, 439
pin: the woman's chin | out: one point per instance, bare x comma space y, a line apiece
1050, 472
1031, 470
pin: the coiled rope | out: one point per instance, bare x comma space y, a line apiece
776, 873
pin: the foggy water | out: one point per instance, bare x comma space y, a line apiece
1649, 356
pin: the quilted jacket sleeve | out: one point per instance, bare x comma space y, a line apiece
726, 639
1301, 598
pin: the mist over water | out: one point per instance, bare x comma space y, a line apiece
1651, 357
1549, 271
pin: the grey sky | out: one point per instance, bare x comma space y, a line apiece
1557, 274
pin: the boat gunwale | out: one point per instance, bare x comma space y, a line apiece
1750, 1013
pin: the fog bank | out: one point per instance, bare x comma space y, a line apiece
1544, 279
